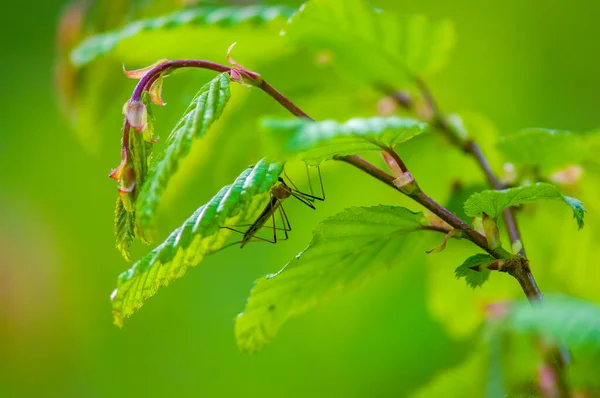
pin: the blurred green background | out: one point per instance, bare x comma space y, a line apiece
521, 64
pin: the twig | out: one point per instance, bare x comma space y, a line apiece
520, 271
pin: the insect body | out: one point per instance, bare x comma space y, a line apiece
279, 193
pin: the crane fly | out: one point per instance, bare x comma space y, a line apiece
279, 193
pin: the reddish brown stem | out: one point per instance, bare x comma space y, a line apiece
520, 270
354, 160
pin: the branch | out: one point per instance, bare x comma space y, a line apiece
417, 195
519, 270
524, 275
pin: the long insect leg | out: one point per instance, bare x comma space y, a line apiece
253, 237
246, 225
309, 179
308, 197
304, 200
286, 223
274, 227
286, 220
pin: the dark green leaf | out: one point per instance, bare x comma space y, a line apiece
475, 278
345, 249
397, 48
205, 109
494, 202
200, 235
318, 141
101, 44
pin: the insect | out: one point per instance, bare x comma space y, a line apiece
279, 193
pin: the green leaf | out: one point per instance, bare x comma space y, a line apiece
546, 150
472, 277
493, 203
318, 141
200, 235
566, 320
101, 44
205, 109
397, 47
344, 250
124, 229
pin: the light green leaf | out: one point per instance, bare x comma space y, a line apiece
472, 277
200, 235
494, 202
344, 250
318, 141
567, 320
124, 229
547, 150
397, 47
205, 109
104, 43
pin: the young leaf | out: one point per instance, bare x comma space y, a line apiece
200, 235
344, 250
494, 202
473, 277
104, 43
132, 171
318, 141
397, 48
545, 149
567, 320
205, 109
124, 229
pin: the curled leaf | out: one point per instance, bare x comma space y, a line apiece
116, 174
240, 74
155, 92
455, 233
139, 73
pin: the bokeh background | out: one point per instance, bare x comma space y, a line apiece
521, 64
